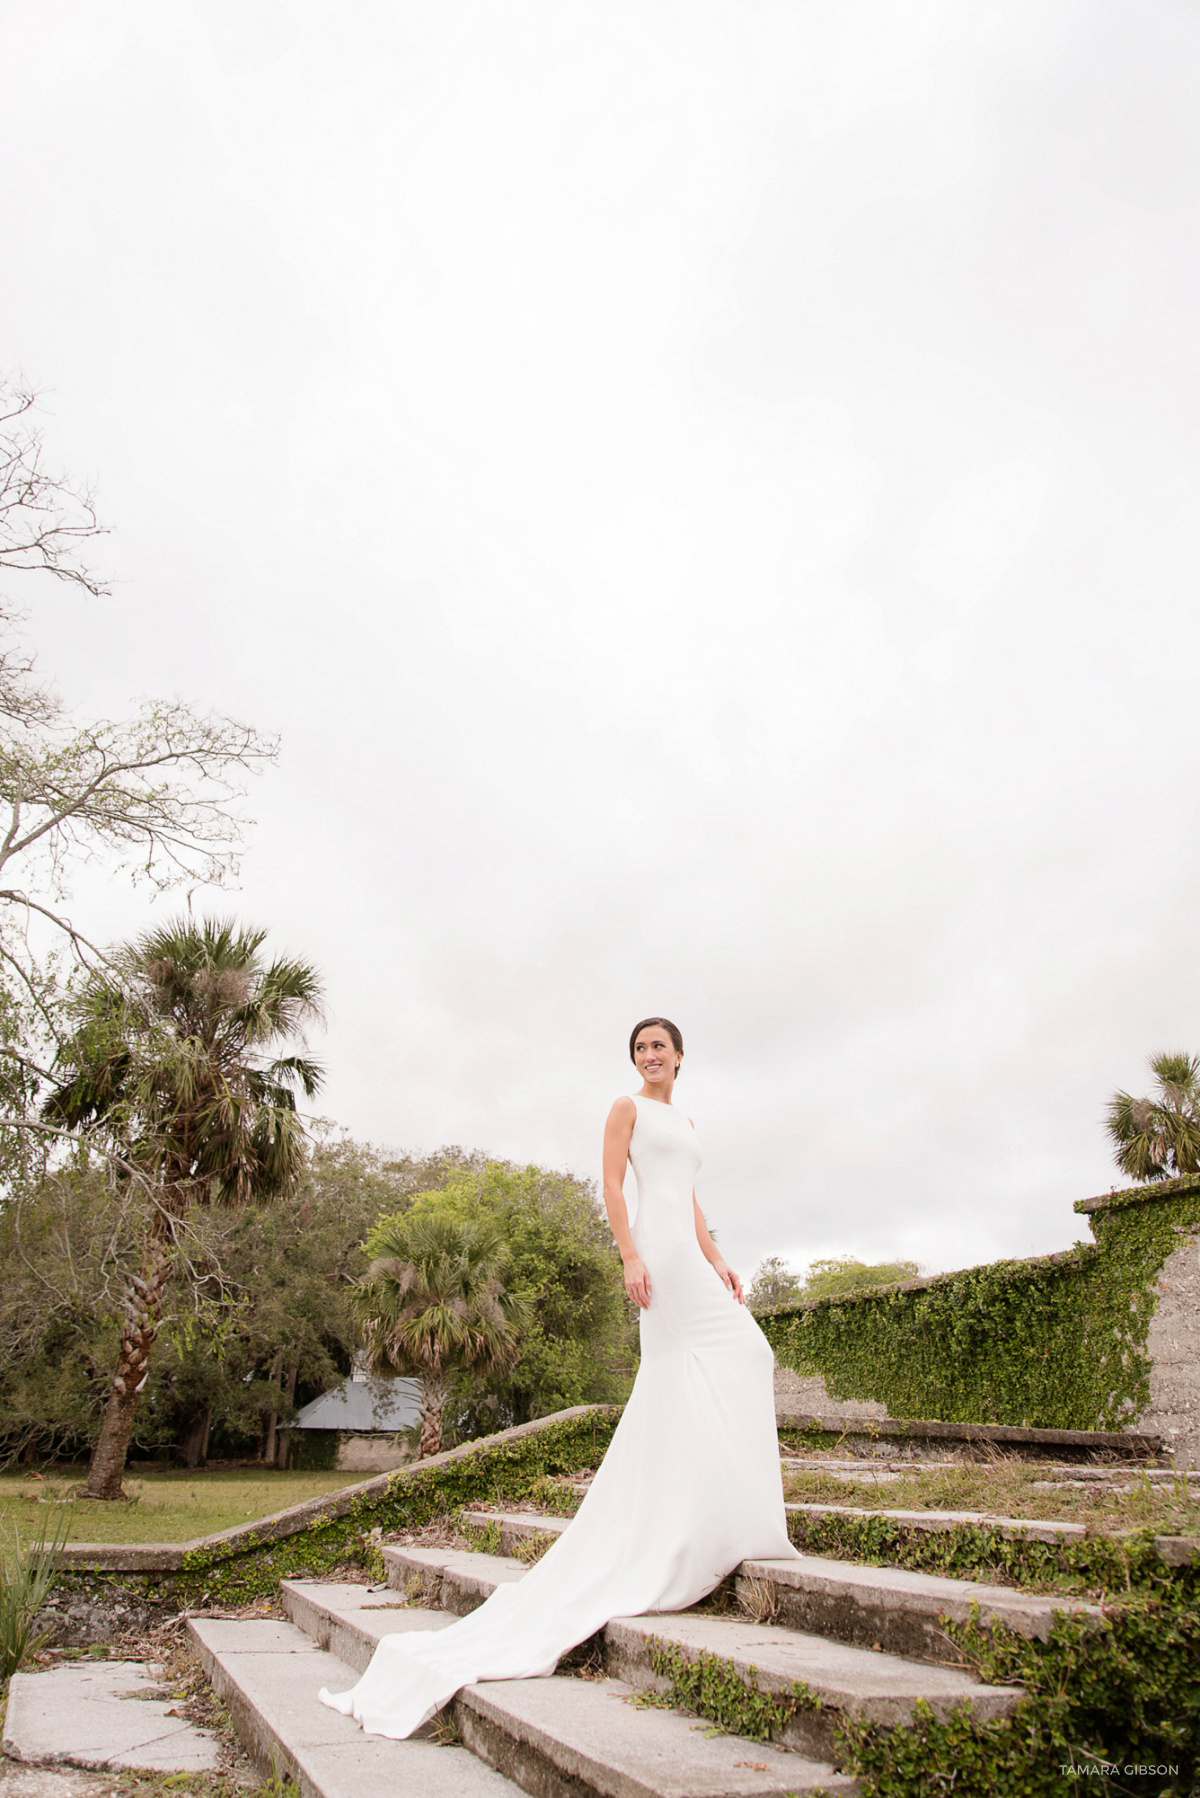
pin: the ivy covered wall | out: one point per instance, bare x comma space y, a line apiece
1054, 1343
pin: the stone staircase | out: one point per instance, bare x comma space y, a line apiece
835, 1639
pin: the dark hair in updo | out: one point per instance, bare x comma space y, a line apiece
672, 1031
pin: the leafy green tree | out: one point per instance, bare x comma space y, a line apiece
171, 1066
839, 1274
59, 1253
580, 1345
281, 1276
1159, 1137
774, 1286
433, 1303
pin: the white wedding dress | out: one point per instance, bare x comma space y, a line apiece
690, 1486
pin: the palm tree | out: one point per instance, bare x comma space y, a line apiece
433, 1303
1159, 1137
172, 1066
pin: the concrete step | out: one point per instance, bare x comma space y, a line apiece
897, 1610
844, 1681
1177, 1551
575, 1738
349, 1621
515, 1526
891, 1437
1121, 1477
860, 1469
269, 1673
564, 1735
887, 1608
768, 1658
449, 1579
1029, 1529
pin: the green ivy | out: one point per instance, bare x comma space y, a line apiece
251, 1568
711, 1686
1082, 1567
1053, 1343
1125, 1695
1126, 1692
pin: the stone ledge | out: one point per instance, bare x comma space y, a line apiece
169, 1557
1135, 1443
1139, 1195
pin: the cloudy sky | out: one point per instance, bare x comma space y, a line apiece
707, 495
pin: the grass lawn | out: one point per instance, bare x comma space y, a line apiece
167, 1504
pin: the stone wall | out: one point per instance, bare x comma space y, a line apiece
806, 1395
371, 1454
1173, 1344
1104, 1336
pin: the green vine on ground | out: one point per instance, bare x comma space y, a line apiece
1088, 1566
711, 1686
1126, 1695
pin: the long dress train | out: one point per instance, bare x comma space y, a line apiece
690, 1485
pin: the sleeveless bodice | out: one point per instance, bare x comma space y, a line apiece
665, 1155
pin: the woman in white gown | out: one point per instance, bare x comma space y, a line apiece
691, 1483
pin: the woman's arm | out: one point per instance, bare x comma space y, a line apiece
617, 1134
712, 1253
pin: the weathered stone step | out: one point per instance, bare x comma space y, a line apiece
1121, 1477
862, 1473
888, 1608
836, 1679
874, 1435
563, 1735
1177, 1551
768, 1658
517, 1526
349, 1621
1029, 1529
269, 1673
450, 1579
560, 1737
898, 1610
857, 1468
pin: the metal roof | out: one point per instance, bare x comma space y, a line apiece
363, 1404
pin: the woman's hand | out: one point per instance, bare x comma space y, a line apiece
637, 1281
731, 1280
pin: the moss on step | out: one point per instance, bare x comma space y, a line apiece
1124, 1696
1095, 1566
710, 1686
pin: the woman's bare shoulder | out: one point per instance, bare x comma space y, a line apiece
624, 1107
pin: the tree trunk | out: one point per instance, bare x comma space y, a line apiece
195, 1441
433, 1403
143, 1314
285, 1447
270, 1452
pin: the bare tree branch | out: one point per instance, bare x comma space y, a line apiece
45, 522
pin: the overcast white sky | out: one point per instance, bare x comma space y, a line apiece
707, 494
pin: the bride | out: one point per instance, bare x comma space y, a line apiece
691, 1483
